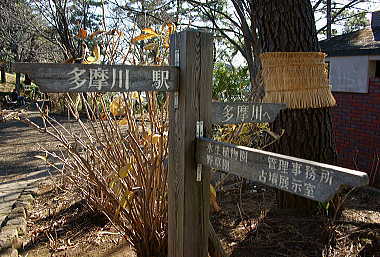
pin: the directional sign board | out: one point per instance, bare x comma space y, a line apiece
53, 77
313, 180
232, 113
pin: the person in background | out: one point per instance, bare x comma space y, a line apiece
15, 97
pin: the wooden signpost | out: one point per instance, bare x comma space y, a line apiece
233, 113
57, 78
191, 153
313, 180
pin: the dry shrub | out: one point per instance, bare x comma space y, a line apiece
57, 102
120, 165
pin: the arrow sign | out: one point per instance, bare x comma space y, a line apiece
53, 77
232, 113
313, 180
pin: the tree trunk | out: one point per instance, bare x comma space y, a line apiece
18, 82
308, 135
289, 26
3, 76
328, 18
27, 80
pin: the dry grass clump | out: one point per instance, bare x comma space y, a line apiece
120, 164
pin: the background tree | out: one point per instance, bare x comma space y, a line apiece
348, 14
289, 26
21, 40
20, 36
233, 22
355, 21
68, 21
137, 15
230, 84
282, 26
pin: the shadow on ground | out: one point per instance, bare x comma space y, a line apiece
20, 144
72, 222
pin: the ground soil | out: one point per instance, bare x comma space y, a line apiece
249, 224
61, 224
20, 144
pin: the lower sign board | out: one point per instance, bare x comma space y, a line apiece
232, 113
313, 180
53, 77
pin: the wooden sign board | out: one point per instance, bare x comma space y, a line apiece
233, 113
313, 180
53, 77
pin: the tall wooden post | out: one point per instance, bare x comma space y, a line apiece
3, 77
188, 198
328, 17
18, 82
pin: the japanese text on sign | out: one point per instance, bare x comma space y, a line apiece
293, 176
160, 79
244, 113
102, 78
220, 156
285, 174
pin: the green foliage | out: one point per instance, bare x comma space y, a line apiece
84, 14
324, 207
355, 21
34, 92
230, 84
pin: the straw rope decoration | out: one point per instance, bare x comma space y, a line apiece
298, 79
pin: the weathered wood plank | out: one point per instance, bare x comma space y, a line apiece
54, 77
189, 199
233, 113
205, 114
313, 180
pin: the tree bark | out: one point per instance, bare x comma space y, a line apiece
289, 26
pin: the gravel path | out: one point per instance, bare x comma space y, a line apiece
19, 170
19, 144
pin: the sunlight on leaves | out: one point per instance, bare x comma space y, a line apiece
82, 33
155, 139
151, 46
124, 171
142, 37
150, 31
123, 122
118, 106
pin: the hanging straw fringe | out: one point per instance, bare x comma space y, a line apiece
298, 79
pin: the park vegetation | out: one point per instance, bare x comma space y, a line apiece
117, 158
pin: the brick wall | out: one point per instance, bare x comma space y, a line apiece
357, 128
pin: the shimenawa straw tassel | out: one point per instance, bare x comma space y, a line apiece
298, 79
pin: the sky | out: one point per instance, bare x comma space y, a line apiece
373, 6
376, 7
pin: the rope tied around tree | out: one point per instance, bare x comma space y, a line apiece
299, 79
